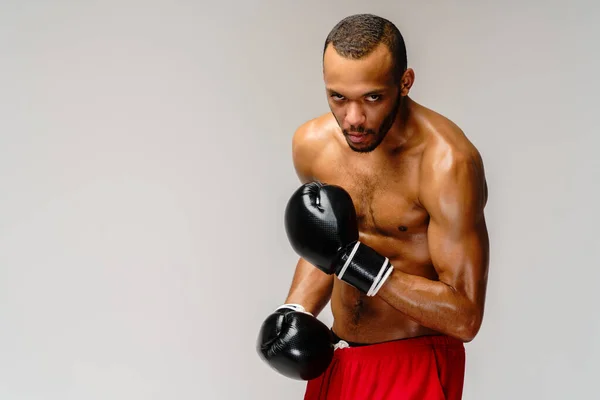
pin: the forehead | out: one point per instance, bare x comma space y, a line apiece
372, 70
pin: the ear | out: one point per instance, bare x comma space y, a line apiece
408, 78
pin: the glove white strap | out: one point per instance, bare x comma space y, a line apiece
378, 278
350, 257
294, 307
381, 282
384, 271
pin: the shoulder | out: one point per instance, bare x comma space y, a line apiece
315, 133
452, 168
310, 141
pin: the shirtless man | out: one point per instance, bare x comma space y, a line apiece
405, 264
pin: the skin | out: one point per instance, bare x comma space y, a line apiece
419, 190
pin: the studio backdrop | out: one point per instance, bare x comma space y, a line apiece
145, 164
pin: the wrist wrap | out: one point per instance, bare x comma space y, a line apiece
364, 268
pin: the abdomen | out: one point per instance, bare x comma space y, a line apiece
358, 318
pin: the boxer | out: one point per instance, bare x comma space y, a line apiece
390, 229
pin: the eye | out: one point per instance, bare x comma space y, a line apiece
337, 96
373, 98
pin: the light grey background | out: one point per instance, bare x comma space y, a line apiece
145, 164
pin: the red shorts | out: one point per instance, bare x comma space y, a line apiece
424, 368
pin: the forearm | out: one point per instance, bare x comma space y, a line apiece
433, 304
310, 287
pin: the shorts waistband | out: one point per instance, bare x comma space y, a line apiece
394, 347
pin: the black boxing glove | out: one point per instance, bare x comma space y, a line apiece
295, 343
321, 224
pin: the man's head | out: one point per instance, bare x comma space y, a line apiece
366, 77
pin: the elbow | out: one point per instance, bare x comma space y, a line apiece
469, 328
466, 336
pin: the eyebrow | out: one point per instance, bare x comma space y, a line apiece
370, 92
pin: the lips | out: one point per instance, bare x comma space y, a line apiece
357, 138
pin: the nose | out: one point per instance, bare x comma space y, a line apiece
355, 115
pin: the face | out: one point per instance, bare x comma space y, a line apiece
363, 96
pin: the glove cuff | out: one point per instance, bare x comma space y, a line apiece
293, 307
364, 268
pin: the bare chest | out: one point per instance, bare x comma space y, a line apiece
385, 198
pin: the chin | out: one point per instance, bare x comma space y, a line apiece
362, 148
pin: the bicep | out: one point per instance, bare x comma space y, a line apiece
457, 234
460, 255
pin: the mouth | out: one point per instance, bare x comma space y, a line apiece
357, 137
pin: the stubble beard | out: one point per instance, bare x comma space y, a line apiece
380, 134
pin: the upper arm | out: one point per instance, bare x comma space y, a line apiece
455, 194
310, 286
308, 143
301, 153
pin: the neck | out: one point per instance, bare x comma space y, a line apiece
403, 132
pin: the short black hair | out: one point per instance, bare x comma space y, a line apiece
358, 35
